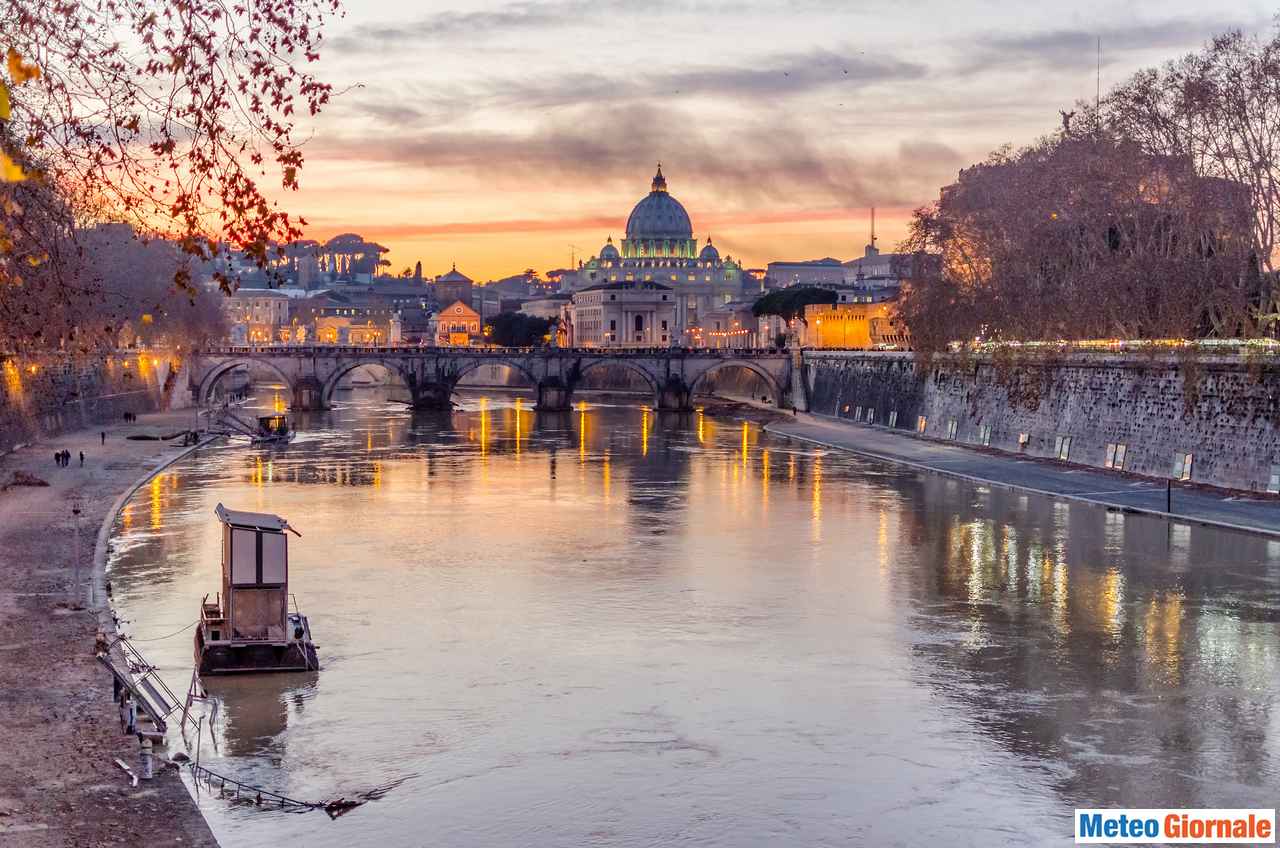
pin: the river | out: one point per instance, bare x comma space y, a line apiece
618, 628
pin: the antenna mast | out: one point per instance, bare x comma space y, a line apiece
873, 226
1097, 94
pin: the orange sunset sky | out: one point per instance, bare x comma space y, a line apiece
502, 136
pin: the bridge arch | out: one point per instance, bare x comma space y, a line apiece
476, 362
631, 366
211, 377
331, 382
775, 387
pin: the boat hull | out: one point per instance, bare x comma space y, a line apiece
254, 658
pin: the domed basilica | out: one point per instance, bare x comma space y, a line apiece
658, 254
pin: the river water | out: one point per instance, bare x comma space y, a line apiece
615, 628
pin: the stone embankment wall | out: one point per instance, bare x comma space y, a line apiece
47, 394
1223, 411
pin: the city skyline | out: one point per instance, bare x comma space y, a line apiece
779, 130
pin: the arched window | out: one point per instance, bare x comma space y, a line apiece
639, 323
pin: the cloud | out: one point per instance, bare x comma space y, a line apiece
788, 75
518, 17
769, 160
1076, 48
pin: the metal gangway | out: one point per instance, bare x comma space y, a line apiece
141, 680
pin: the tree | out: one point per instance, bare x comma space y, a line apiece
515, 329
166, 114
1080, 236
1219, 108
789, 303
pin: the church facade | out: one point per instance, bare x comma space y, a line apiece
658, 260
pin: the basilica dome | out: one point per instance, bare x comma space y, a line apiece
709, 253
659, 216
609, 251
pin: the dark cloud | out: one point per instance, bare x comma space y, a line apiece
774, 77
525, 16
1076, 49
515, 17
770, 161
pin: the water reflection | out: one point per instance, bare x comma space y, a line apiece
576, 612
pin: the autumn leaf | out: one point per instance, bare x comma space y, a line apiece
10, 171
19, 70
4, 101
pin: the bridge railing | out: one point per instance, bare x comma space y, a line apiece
495, 352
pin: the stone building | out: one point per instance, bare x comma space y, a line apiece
453, 286
256, 316
633, 313
659, 248
812, 272
458, 325
855, 324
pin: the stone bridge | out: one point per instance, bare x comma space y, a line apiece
432, 373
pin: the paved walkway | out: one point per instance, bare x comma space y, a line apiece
1059, 479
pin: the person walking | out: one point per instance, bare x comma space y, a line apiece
104, 436
57, 458
82, 459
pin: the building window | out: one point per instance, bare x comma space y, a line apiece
1182, 466
1115, 456
871, 415
952, 426
857, 413
1024, 439
613, 326
984, 435
1273, 485
893, 418
921, 423
1062, 447
664, 323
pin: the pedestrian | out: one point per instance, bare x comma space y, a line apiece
82, 459
104, 437
57, 459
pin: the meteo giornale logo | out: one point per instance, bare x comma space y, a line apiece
1176, 827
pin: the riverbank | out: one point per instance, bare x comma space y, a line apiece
1111, 489
59, 784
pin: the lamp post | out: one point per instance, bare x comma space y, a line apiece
75, 563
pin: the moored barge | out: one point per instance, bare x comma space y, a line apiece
251, 626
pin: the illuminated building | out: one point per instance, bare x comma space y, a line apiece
659, 248
457, 325
852, 324
632, 313
256, 315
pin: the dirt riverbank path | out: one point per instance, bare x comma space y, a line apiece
59, 729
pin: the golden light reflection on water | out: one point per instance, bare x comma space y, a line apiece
157, 502
519, 410
644, 431
765, 471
